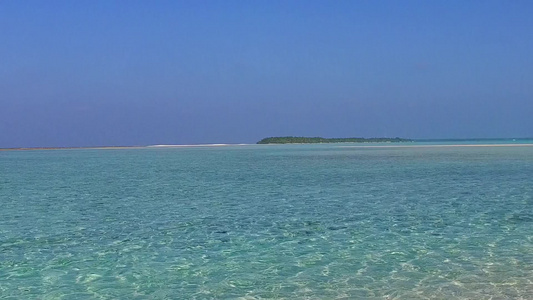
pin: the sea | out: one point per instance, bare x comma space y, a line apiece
423, 220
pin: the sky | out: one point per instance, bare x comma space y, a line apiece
103, 73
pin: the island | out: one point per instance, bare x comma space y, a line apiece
320, 140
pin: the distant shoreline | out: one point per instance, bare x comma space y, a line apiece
321, 140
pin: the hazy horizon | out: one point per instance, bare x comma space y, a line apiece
255, 143
106, 73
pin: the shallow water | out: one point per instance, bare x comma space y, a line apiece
267, 222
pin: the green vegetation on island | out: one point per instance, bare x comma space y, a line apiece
319, 140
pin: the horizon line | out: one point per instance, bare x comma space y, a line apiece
235, 144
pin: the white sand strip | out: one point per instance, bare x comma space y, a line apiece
198, 145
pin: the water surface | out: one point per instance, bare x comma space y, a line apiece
267, 222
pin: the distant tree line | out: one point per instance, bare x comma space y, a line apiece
319, 140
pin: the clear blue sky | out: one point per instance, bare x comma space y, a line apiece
85, 73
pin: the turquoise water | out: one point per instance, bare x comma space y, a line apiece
267, 222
